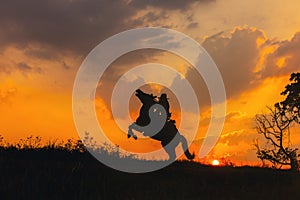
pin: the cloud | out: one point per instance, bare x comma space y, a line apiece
193, 25
247, 57
41, 53
76, 25
25, 68
8, 67
237, 137
236, 57
154, 16
67, 25
167, 4
285, 59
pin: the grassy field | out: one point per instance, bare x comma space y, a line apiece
53, 173
30, 170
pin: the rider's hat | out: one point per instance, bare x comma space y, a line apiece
163, 95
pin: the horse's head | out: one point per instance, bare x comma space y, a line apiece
147, 99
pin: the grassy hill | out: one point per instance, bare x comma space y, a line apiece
59, 173
66, 170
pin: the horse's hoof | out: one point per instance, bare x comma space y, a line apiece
128, 136
135, 137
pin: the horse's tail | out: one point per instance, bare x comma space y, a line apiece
185, 148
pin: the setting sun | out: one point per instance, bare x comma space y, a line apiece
215, 162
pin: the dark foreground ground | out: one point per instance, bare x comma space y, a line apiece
29, 174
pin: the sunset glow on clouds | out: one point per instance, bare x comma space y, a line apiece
255, 44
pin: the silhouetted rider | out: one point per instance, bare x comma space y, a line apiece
163, 100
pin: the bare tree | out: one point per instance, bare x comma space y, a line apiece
275, 129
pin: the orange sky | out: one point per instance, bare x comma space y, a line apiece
255, 44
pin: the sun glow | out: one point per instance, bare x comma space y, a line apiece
215, 163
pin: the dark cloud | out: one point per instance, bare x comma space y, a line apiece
25, 68
154, 16
21, 67
236, 57
68, 25
65, 65
8, 65
167, 4
42, 53
193, 25
76, 25
199, 86
291, 47
288, 52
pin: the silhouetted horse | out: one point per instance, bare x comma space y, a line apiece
151, 110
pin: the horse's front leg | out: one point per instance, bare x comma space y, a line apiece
130, 132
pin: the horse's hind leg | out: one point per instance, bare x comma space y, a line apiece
170, 151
